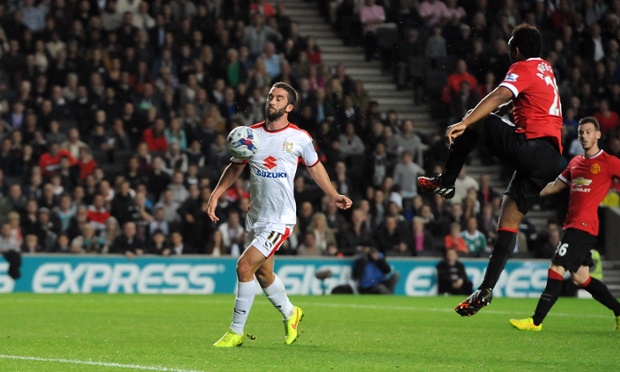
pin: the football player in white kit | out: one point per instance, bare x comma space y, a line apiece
272, 213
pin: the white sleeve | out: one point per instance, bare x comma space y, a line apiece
309, 154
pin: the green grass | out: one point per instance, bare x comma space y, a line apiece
340, 333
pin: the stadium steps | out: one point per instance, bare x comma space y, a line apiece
611, 276
379, 84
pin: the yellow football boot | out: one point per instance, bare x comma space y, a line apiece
525, 324
291, 326
230, 339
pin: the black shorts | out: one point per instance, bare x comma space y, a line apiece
574, 250
536, 161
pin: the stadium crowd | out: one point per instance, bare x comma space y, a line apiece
115, 114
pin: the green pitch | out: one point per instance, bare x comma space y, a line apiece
340, 333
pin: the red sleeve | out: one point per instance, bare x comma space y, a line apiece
517, 78
565, 175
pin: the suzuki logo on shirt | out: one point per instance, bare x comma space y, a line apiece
269, 162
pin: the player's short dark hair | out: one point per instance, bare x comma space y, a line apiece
528, 39
590, 120
292, 93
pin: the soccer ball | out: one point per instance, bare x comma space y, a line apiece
242, 142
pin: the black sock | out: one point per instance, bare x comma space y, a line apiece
600, 292
549, 296
502, 251
457, 156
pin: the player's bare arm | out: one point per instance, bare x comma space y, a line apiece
487, 105
228, 178
320, 176
553, 187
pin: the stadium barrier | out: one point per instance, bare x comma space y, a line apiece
207, 275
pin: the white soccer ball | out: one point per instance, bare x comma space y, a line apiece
242, 142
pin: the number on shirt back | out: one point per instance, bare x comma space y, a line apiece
556, 106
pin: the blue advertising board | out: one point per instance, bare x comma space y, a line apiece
207, 275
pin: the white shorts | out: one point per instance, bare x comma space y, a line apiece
266, 236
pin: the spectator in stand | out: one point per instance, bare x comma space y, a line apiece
373, 273
474, 239
158, 179
461, 74
257, 34
411, 46
128, 243
405, 175
155, 137
485, 192
309, 246
179, 192
7, 241
86, 162
50, 160
158, 244
313, 51
371, 15
548, 242
462, 101
454, 240
435, 44
323, 234
355, 234
434, 13
422, 242
171, 207
178, 246
608, 120
392, 238
159, 223
123, 206
451, 276
408, 140
351, 144
97, 213
463, 183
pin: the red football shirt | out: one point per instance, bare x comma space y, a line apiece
537, 109
589, 180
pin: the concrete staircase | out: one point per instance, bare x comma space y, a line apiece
379, 85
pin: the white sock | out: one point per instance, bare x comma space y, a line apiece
277, 295
243, 303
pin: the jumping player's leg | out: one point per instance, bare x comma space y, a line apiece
509, 220
504, 245
494, 132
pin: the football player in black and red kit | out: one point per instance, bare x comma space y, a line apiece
589, 177
532, 146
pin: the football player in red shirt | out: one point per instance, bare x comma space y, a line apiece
589, 177
532, 146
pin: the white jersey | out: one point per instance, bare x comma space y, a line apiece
272, 172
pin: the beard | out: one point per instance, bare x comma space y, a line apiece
274, 115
